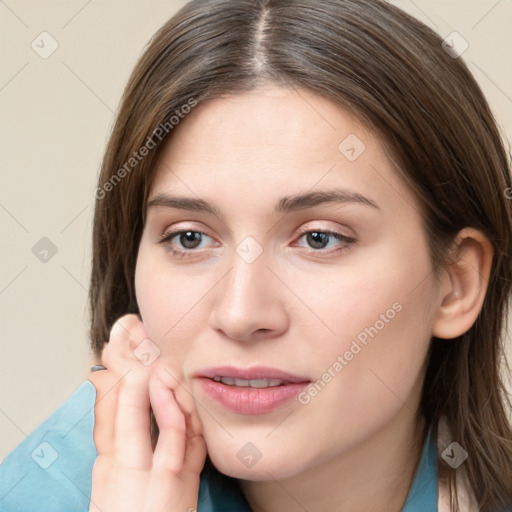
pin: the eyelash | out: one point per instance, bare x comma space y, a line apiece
166, 239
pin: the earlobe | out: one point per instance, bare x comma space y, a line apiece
464, 286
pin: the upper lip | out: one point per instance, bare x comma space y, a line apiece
252, 373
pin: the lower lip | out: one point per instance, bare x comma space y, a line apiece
251, 400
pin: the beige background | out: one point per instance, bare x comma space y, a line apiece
56, 114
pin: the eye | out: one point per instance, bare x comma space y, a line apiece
321, 239
184, 241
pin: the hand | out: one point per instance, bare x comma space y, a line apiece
127, 474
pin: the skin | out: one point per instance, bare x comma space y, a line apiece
128, 474
355, 444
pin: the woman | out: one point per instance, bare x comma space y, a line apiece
302, 263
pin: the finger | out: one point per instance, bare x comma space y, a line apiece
117, 356
189, 450
126, 334
170, 449
194, 425
105, 406
195, 455
182, 394
132, 438
195, 449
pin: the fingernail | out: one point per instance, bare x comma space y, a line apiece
97, 368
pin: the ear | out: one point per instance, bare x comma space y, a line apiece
464, 285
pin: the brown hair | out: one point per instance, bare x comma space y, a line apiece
391, 71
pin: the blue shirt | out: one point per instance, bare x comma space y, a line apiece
51, 470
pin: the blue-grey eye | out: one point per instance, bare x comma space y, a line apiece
190, 239
317, 239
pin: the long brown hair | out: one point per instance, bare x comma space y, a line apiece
392, 72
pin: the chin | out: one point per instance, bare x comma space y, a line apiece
246, 461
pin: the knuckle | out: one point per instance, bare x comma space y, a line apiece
128, 323
120, 330
125, 336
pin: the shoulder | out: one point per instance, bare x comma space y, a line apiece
52, 468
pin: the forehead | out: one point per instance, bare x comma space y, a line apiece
257, 145
270, 121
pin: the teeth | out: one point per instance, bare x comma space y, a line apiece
254, 383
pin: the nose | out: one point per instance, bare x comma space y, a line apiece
249, 302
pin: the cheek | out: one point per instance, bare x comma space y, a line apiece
171, 303
380, 314
366, 292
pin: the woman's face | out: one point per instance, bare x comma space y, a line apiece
302, 252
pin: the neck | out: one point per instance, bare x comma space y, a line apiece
375, 475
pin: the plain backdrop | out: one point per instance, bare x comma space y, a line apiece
56, 114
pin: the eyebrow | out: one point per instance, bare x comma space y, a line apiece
284, 205
310, 199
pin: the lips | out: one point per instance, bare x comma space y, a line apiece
252, 383
256, 390
253, 373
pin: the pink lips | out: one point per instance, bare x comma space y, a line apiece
251, 400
